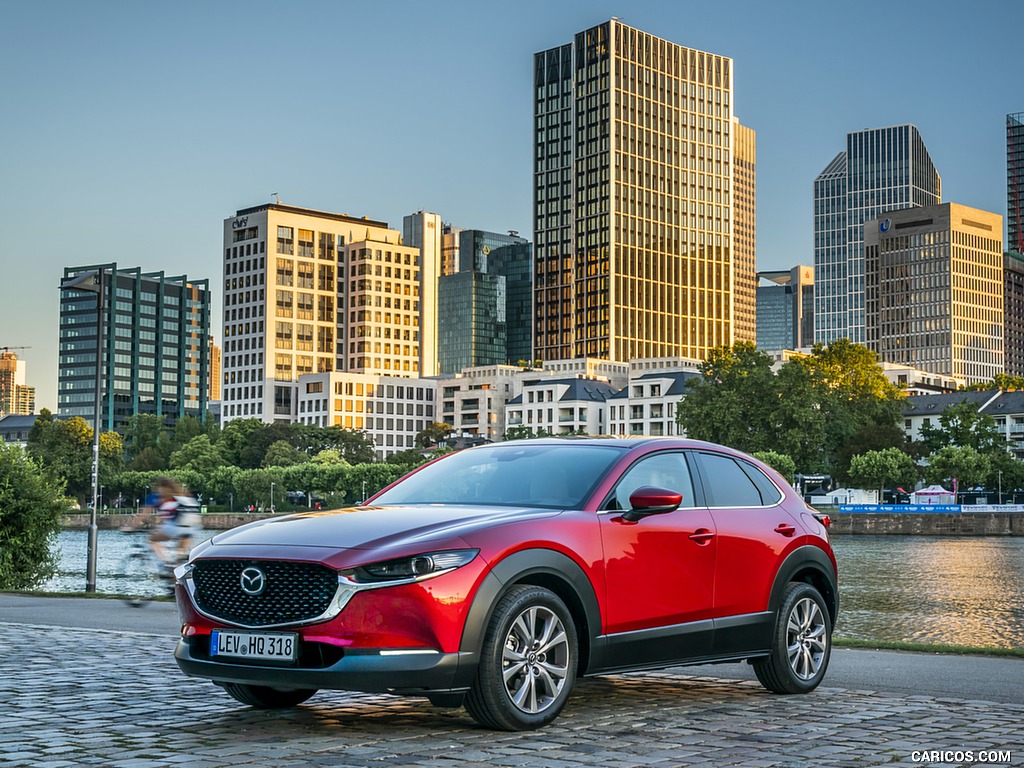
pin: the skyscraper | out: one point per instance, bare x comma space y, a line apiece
785, 309
1014, 182
423, 230
16, 398
634, 186
745, 235
485, 307
934, 290
156, 337
313, 292
882, 169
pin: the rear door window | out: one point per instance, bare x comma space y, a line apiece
727, 484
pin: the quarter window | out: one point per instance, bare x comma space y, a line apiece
729, 483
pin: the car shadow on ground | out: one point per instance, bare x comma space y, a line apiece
601, 702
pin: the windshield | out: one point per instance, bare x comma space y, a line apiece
514, 474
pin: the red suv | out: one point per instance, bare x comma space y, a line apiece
495, 576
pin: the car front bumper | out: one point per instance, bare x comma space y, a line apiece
364, 670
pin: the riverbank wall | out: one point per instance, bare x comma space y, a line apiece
843, 523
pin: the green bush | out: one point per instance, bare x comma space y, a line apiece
31, 503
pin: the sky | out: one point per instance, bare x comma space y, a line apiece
130, 130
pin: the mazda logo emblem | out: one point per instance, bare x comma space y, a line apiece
254, 581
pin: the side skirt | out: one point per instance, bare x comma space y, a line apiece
733, 638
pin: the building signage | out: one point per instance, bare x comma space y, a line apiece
240, 223
884, 226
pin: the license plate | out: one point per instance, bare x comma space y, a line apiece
254, 646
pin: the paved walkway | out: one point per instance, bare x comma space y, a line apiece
91, 697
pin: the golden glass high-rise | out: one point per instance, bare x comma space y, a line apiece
635, 249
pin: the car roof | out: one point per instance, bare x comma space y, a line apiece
624, 442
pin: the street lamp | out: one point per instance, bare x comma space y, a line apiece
1000, 486
271, 496
92, 282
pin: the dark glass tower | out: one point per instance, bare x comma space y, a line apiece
485, 309
156, 339
882, 169
1014, 182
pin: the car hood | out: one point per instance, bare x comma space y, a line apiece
374, 527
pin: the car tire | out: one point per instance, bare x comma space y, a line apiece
262, 697
801, 643
528, 662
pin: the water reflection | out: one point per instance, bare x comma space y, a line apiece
112, 548
929, 589
965, 590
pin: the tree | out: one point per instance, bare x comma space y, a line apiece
962, 424
355, 445
873, 437
31, 503
796, 422
518, 432
432, 435
1005, 473
1002, 381
254, 452
283, 454
852, 393
408, 459
235, 437
145, 442
961, 463
328, 456
64, 448
111, 457
199, 455
730, 402
188, 427
780, 462
877, 469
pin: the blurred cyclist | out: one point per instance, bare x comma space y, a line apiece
178, 521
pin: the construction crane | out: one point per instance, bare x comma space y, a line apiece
5, 349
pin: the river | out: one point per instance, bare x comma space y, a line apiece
926, 589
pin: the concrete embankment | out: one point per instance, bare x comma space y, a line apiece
929, 523
213, 522
854, 523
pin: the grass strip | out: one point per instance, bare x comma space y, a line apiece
949, 648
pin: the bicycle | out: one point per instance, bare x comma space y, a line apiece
146, 576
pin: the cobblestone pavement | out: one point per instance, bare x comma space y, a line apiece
93, 697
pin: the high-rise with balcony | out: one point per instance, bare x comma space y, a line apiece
307, 291
634, 192
881, 169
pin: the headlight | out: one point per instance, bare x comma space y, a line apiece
412, 568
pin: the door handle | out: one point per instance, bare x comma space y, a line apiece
702, 536
785, 529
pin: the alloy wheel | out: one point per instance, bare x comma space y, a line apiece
535, 659
807, 639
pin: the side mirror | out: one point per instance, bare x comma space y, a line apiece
648, 500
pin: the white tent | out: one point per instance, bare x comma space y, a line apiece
933, 494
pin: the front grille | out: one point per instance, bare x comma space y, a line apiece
293, 592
